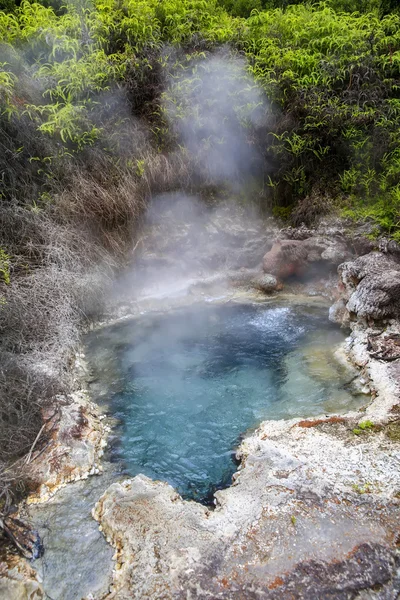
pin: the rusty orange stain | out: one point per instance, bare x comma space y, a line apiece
277, 582
308, 424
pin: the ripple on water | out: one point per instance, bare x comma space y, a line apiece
186, 385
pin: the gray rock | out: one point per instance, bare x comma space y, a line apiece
372, 286
297, 233
338, 313
335, 253
369, 264
389, 247
266, 283
377, 296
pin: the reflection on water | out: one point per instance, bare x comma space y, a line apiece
186, 385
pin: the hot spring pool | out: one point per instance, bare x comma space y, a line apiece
184, 386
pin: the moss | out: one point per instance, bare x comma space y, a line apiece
362, 489
393, 431
366, 425
363, 427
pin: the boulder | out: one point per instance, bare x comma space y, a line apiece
371, 286
338, 313
266, 283
293, 257
377, 296
286, 258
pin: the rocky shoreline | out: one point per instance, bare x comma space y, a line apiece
313, 510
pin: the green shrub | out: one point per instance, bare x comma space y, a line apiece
4, 266
242, 8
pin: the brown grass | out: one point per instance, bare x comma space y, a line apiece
63, 256
311, 208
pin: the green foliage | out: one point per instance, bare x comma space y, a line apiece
330, 70
282, 212
366, 488
8, 5
383, 211
67, 120
363, 427
242, 8
7, 82
366, 425
4, 266
335, 78
352, 6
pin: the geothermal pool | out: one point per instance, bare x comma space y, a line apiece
186, 385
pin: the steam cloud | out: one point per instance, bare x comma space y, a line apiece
214, 110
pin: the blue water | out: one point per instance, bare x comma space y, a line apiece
185, 386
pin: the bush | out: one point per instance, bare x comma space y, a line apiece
242, 8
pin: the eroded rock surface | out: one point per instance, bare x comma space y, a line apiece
289, 257
371, 288
312, 514
76, 443
18, 581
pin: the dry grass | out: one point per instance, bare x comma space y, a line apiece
51, 292
63, 257
311, 208
66, 230
108, 213
24, 391
167, 172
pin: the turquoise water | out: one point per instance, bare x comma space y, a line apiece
185, 386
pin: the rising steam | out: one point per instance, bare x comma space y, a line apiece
214, 111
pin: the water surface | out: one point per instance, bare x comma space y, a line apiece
186, 385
